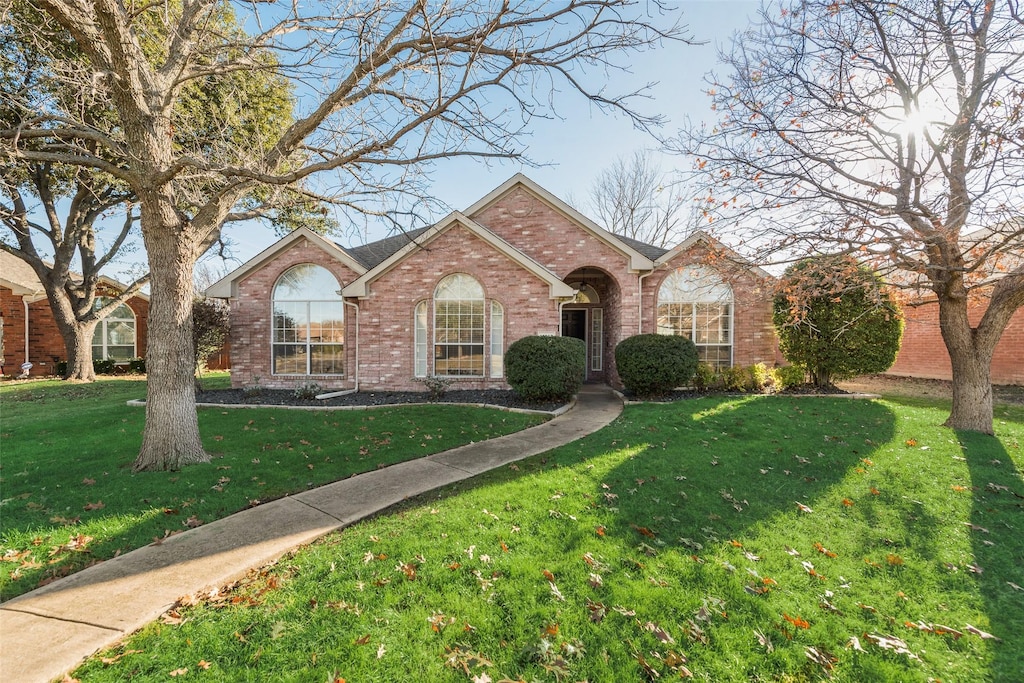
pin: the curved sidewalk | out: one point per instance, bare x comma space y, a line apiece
48, 632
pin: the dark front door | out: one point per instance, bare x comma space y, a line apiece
574, 323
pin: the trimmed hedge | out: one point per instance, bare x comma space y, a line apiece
546, 368
655, 364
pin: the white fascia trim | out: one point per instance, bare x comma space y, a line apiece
227, 287
360, 287
637, 261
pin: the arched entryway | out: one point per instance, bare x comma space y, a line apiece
590, 315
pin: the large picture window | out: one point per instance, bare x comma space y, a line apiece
459, 327
694, 302
114, 337
309, 323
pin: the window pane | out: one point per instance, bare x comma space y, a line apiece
596, 339
326, 321
307, 282
326, 359
290, 322
290, 359
120, 333
459, 326
120, 353
421, 340
497, 340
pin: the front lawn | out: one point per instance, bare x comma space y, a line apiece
731, 539
69, 498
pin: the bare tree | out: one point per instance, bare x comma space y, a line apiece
892, 131
60, 218
635, 198
386, 89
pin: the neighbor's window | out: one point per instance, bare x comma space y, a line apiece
459, 327
695, 302
309, 323
114, 337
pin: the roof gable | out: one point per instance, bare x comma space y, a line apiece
638, 261
360, 287
227, 286
701, 236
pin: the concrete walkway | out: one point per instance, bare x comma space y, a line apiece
48, 632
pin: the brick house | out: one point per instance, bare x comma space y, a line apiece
28, 331
447, 300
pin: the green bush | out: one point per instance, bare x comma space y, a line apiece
137, 366
655, 364
546, 368
307, 391
790, 376
835, 318
706, 378
104, 367
735, 378
762, 377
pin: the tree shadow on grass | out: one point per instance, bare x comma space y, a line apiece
997, 539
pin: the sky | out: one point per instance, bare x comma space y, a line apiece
569, 150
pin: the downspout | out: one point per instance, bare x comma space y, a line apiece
25, 302
355, 374
640, 300
355, 307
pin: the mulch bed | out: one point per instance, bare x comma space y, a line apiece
286, 397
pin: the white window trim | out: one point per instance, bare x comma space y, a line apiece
307, 343
101, 327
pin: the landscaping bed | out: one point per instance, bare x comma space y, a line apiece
287, 397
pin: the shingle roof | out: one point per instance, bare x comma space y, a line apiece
16, 272
373, 254
649, 250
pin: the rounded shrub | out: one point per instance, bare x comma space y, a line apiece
836, 318
546, 368
655, 364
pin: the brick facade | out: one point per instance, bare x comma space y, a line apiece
45, 343
540, 231
923, 353
250, 336
754, 339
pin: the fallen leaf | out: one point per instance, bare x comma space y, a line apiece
203, 664
178, 672
88, 482
363, 640
98, 505
803, 508
981, 634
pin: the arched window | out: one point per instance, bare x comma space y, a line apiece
694, 302
309, 323
114, 337
459, 327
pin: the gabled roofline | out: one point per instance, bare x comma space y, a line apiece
227, 287
359, 287
701, 236
637, 261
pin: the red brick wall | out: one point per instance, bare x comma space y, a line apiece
754, 339
46, 345
386, 317
923, 353
551, 239
14, 331
250, 337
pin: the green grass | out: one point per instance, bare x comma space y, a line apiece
68, 497
673, 539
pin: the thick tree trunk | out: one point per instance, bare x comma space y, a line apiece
78, 344
171, 436
77, 336
971, 362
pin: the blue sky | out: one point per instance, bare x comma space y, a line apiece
575, 147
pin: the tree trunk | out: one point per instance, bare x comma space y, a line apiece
78, 344
971, 362
171, 436
77, 335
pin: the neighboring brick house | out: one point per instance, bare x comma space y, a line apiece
28, 332
923, 353
448, 300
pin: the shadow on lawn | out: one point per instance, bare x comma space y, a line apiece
997, 537
765, 456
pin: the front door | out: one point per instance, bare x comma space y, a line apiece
574, 324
